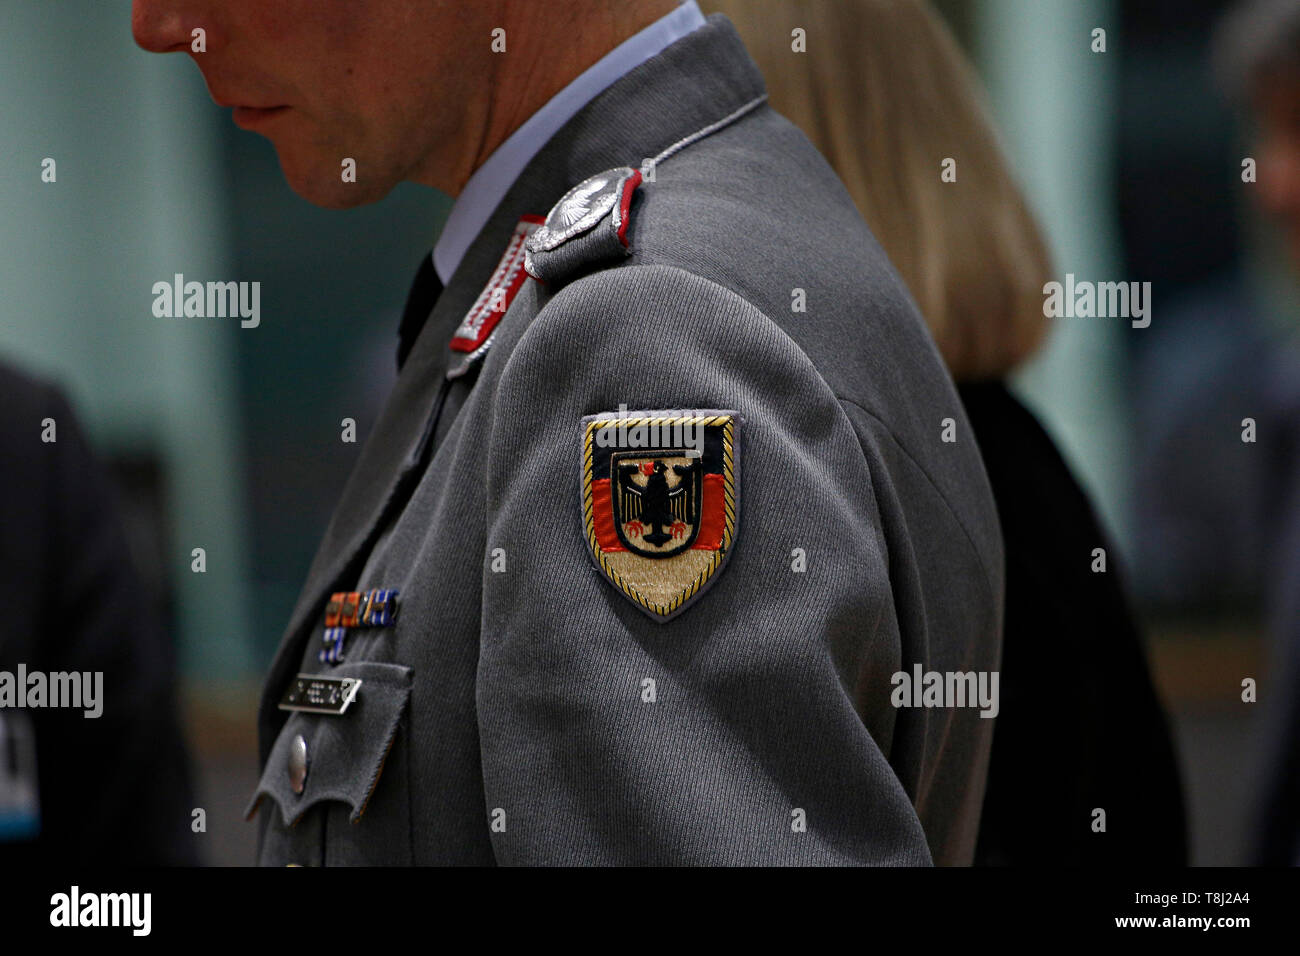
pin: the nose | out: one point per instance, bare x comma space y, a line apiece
162, 26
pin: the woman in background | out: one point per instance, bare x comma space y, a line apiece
887, 96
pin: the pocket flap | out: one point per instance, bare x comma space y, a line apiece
345, 752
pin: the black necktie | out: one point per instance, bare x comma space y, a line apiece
419, 303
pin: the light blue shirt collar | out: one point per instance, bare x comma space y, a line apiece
491, 181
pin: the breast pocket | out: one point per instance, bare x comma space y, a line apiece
335, 787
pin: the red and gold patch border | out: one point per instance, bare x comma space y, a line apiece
728, 424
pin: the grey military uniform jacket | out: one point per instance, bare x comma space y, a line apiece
523, 709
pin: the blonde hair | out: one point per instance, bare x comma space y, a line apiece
886, 95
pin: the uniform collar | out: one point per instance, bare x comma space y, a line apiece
490, 182
693, 83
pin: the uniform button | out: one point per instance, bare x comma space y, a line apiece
298, 764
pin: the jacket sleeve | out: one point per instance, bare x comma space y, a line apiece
754, 727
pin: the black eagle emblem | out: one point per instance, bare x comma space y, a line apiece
657, 511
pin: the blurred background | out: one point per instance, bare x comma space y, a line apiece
228, 438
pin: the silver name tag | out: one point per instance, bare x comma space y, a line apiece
320, 695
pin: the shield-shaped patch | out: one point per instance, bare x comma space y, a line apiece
660, 502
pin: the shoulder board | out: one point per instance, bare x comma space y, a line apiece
585, 228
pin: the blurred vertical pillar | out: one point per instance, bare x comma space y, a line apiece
1055, 103
139, 197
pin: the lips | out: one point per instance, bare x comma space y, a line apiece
249, 116
228, 101
246, 111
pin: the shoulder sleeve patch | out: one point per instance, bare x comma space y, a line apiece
660, 502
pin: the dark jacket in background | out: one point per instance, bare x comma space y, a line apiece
1080, 726
113, 790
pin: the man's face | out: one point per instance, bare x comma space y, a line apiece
382, 82
1278, 111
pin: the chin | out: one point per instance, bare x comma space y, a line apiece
319, 181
